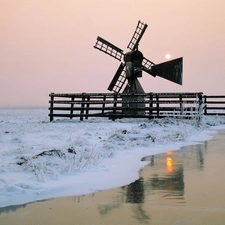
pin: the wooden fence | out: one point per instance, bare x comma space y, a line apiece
114, 106
215, 105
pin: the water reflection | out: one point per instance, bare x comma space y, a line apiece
105, 209
140, 214
200, 156
173, 183
135, 191
193, 155
11, 208
169, 164
162, 177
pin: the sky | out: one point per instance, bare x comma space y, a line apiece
47, 45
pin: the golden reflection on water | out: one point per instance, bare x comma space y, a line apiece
169, 162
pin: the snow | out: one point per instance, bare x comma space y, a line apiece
42, 159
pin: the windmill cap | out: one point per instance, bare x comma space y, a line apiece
133, 56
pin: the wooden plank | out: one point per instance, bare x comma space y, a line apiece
215, 114
215, 102
214, 96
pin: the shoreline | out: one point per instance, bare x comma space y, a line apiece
173, 189
110, 176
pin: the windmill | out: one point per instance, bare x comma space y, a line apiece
133, 63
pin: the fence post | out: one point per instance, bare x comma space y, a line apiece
82, 107
157, 104
205, 102
150, 103
199, 116
200, 102
87, 107
103, 105
51, 106
181, 104
114, 106
71, 110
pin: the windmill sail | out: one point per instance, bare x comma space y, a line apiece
147, 64
109, 48
118, 79
171, 70
140, 29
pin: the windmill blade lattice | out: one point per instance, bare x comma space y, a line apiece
109, 48
118, 80
147, 64
140, 29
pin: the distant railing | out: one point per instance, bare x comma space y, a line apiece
114, 106
215, 105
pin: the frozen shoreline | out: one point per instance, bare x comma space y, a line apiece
161, 189
108, 154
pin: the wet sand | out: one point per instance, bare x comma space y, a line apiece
177, 187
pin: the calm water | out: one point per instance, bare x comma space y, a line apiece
177, 187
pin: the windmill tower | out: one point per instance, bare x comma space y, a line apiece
133, 63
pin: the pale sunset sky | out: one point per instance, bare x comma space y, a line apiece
47, 45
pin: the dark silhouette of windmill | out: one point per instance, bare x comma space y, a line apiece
133, 63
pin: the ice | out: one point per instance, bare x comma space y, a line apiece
42, 159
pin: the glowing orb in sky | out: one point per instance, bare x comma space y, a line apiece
167, 56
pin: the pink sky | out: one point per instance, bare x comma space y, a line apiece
47, 45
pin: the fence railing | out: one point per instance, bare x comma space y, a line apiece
114, 106
215, 105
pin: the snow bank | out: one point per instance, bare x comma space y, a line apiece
42, 160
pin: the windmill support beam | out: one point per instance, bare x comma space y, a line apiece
133, 97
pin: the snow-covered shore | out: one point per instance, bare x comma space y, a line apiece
41, 160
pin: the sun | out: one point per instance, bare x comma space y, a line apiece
167, 56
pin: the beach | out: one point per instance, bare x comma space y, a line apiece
177, 187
